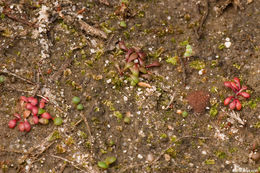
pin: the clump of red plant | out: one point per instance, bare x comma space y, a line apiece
135, 62
29, 106
236, 87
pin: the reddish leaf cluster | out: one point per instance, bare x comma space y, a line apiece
236, 87
135, 62
29, 106
198, 100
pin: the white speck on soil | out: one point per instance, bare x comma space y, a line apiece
140, 156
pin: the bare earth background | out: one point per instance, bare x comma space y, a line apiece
61, 49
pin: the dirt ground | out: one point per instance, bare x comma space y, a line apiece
62, 49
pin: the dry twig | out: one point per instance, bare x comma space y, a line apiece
77, 166
91, 30
199, 30
5, 71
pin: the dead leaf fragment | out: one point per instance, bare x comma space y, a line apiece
143, 84
92, 30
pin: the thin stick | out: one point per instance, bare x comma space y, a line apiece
15, 18
92, 30
171, 101
88, 128
12, 151
198, 31
37, 83
17, 76
62, 167
68, 161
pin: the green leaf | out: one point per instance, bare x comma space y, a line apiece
80, 107
58, 121
2, 79
184, 114
134, 80
110, 160
55, 135
102, 165
188, 51
122, 24
41, 111
75, 100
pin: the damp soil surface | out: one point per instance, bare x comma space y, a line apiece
160, 119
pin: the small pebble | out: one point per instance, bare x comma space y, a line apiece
139, 156
167, 157
227, 44
255, 156
149, 158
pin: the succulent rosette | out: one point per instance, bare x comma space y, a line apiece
239, 90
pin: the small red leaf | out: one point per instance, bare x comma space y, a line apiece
122, 46
23, 98
142, 55
129, 52
154, 64
21, 126
232, 105
237, 81
46, 115
238, 105
41, 105
17, 116
228, 84
132, 57
234, 85
12, 124
27, 126
244, 94
29, 106
35, 119
227, 100
34, 110
44, 100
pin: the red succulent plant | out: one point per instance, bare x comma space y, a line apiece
135, 62
239, 90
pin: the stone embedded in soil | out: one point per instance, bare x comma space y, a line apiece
198, 100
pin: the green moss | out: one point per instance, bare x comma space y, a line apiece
172, 152
109, 104
197, 64
55, 135
214, 89
221, 46
213, 111
163, 136
172, 60
233, 150
157, 53
122, 24
257, 125
118, 115
184, 43
209, 162
221, 154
